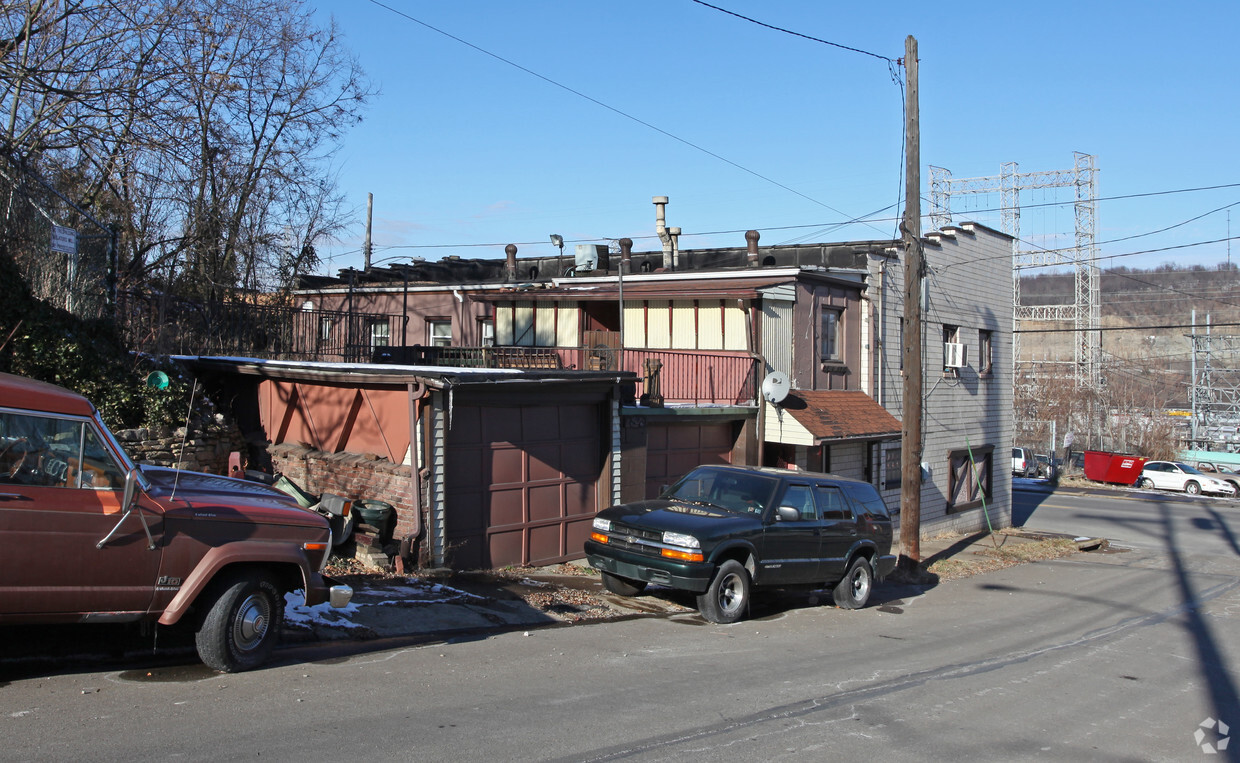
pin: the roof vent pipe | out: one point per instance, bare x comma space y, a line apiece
660, 227
674, 235
626, 256
751, 242
510, 267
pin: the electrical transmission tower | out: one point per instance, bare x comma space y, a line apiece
1215, 391
1085, 313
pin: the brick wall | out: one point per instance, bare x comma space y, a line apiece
351, 475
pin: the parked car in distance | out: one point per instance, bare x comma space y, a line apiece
1024, 464
1220, 471
1173, 475
88, 536
1044, 464
722, 530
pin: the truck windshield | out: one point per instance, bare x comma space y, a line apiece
734, 491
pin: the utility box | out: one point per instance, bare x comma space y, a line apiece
1116, 468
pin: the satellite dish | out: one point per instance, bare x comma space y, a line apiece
775, 387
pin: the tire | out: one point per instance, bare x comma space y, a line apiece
854, 590
623, 586
1192, 488
242, 624
1145, 483
727, 599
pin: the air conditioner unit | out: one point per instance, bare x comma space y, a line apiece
954, 354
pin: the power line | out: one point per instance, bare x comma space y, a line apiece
796, 34
1124, 328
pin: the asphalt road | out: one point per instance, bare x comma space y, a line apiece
1117, 655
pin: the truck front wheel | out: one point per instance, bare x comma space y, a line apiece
242, 623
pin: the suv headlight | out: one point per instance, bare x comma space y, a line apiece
680, 539
602, 525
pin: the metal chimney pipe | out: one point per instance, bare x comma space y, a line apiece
674, 235
511, 266
660, 227
751, 241
626, 256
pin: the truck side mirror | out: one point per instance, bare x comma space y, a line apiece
131, 490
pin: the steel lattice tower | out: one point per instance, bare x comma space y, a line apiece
1085, 313
1215, 391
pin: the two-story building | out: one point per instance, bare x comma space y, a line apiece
698, 333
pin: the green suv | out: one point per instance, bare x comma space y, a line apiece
721, 530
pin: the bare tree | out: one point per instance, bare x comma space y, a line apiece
207, 128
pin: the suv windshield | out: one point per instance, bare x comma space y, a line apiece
737, 492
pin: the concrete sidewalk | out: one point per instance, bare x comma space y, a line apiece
455, 603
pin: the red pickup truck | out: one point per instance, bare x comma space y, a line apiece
88, 536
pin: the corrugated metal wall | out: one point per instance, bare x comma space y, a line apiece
777, 335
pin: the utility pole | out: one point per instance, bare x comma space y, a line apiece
370, 205
914, 264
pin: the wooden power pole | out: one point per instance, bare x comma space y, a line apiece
910, 447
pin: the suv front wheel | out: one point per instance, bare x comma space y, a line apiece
854, 590
727, 598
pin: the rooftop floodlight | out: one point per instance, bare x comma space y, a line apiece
558, 240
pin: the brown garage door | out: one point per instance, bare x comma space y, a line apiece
521, 483
673, 449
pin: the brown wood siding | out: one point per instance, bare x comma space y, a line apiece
521, 483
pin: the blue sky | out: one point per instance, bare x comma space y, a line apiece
465, 153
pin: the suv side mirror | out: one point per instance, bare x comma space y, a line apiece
787, 514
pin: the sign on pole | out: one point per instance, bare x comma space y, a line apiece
64, 240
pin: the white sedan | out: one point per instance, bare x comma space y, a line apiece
1173, 475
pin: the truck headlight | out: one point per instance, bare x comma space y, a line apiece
602, 525
680, 539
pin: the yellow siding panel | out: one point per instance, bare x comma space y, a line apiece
503, 324
544, 325
523, 324
684, 325
658, 325
735, 328
710, 325
566, 326
634, 323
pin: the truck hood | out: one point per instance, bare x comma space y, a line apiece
213, 496
694, 519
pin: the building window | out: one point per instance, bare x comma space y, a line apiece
969, 481
439, 332
486, 332
951, 350
379, 332
985, 353
893, 469
325, 330
826, 459
830, 335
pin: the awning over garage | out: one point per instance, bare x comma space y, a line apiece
808, 417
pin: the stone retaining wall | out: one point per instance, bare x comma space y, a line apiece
203, 450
